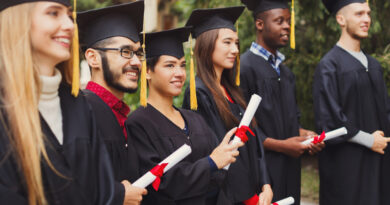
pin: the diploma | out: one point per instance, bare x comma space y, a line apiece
326, 136
154, 175
250, 111
286, 201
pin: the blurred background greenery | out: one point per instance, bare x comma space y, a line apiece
316, 33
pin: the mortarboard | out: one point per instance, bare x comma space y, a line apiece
333, 6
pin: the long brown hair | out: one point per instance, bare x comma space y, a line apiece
19, 91
204, 48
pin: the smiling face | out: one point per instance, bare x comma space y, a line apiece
226, 49
51, 40
168, 76
355, 19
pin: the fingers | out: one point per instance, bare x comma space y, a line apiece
387, 139
381, 133
144, 192
228, 135
261, 199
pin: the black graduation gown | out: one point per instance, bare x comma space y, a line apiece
278, 118
82, 159
249, 173
191, 180
347, 94
122, 153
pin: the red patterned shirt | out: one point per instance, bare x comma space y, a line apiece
118, 107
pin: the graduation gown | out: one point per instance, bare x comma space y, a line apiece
278, 118
249, 173
191, 180
122, 153
82, 159
347, 94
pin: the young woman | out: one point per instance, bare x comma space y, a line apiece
49, 150
160, 128
220, 101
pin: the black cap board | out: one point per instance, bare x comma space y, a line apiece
124, 20
259, 6
8, 3
333, 6
203, 20
169, 42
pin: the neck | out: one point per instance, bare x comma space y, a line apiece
218, 73
45, 68
99, 79
261, 42
162, 103
347, 42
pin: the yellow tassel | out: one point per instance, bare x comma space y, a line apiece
76, 57
238, 63
143, 76
193, 99
292, 33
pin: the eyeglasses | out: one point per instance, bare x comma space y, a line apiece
126, 52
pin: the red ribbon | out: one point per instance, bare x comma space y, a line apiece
319, 139
158, 171
275, 203
241, 133
252, 201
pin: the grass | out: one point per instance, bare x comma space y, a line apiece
310, 180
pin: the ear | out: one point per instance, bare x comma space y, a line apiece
148, 71
341, 20
259, 24
93, 58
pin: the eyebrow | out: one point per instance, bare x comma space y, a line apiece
170, 61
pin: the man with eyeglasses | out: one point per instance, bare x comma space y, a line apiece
109, 38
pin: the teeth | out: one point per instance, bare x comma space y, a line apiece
63, 40
133, 74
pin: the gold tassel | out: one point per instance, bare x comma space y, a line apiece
76, 57
238, 63
292, 33
143, 75
193, 99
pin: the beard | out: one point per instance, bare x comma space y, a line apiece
112, 78
354, 34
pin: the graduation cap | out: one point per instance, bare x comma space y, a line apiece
203, 20
260, 6
333, 6
124, 20
8, 3
169, 42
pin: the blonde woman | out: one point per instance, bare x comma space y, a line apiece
49, 152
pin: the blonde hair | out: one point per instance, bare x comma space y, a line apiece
20, 91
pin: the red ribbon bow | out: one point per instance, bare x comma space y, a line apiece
252, 201
275, 203
158, 171
319, 139
241, 133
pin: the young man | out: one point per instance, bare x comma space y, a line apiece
109, 38
263, 73
349, 91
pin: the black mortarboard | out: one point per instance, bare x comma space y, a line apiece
203, 20
169, 42
259, 6
334, 6
120, 20
8, 3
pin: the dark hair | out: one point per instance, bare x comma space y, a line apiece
204, 48
151, 62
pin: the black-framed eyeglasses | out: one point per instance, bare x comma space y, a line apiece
125, 52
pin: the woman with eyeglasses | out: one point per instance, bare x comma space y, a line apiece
49, 149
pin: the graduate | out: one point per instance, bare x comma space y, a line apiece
349, 91
160, 129
50, 152
111, 45
220, 101
263, 73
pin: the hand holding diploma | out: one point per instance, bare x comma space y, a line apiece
250, 111
226, 152
154, 175
287, 201
326, 136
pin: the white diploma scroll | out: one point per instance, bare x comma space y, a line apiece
171, 160
287, 201
329, 135
247, 118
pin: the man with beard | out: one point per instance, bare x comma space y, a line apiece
263, 73
349, 91
111, 45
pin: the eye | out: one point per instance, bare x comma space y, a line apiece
53, 13
227, 42
170, 65
139, 53
183, 65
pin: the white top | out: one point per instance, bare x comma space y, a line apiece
358, 55
49, 103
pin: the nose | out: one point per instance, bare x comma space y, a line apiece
286, 25
180, 72
135, 61
235, 49
68, 24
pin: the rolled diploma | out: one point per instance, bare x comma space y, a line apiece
287, 201
172, 160
247, 118
329, 135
